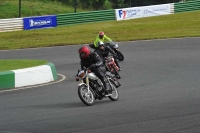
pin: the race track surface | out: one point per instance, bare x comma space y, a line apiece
160, 93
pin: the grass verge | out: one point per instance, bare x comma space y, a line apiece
168, 26
6, 65
10, 8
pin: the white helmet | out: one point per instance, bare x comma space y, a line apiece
100, 43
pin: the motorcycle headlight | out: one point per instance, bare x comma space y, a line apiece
81, 74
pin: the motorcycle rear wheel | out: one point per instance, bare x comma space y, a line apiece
115, 95
120, 56
86, 97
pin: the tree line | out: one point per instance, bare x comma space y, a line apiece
113, 4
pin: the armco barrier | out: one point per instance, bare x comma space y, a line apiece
172, 8
85, 17
94, 16
13, 24
187, 6
28, 76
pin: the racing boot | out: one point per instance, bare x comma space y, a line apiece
106, 86
116, 62
118, 65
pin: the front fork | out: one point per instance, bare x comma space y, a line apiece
110, 83
86, 83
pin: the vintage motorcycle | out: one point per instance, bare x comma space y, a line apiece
115, 46
111, 66
91, 87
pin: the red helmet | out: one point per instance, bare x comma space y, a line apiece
101, 34
84, 52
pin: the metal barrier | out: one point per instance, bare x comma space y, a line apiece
85, 17
187, 6
13, 24
172, 8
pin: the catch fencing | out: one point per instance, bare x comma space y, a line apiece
187, 6
85, 17
15, 24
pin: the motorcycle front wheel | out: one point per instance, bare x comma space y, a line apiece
115, 95
85, 96
120, 56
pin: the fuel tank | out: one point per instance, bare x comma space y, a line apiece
92, 76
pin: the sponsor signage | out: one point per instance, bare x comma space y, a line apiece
139, 12
39, 22
128, 13
156, 10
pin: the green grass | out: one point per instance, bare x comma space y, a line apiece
10, 8
6, 65
168, 26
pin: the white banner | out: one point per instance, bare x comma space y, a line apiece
156, 10
129, 13
139, 12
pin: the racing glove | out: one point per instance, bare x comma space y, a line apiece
92, 66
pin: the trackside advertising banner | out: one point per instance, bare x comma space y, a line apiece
139, 12
39, 22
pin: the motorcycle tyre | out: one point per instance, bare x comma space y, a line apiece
81, 97
114, 90
120, 56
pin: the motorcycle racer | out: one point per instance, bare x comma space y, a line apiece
100, 37
103, 51
93, 62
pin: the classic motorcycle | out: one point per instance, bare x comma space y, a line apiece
112, 45
91, 87
111, 66
115, 46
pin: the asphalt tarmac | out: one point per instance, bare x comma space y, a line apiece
160, 92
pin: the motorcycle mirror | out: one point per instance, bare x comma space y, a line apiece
77, 73
84, 68
77, 79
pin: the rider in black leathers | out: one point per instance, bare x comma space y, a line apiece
103, 51
93, 62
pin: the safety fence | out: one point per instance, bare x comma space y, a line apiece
85, 17
94, 16
187, 6
11, 24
